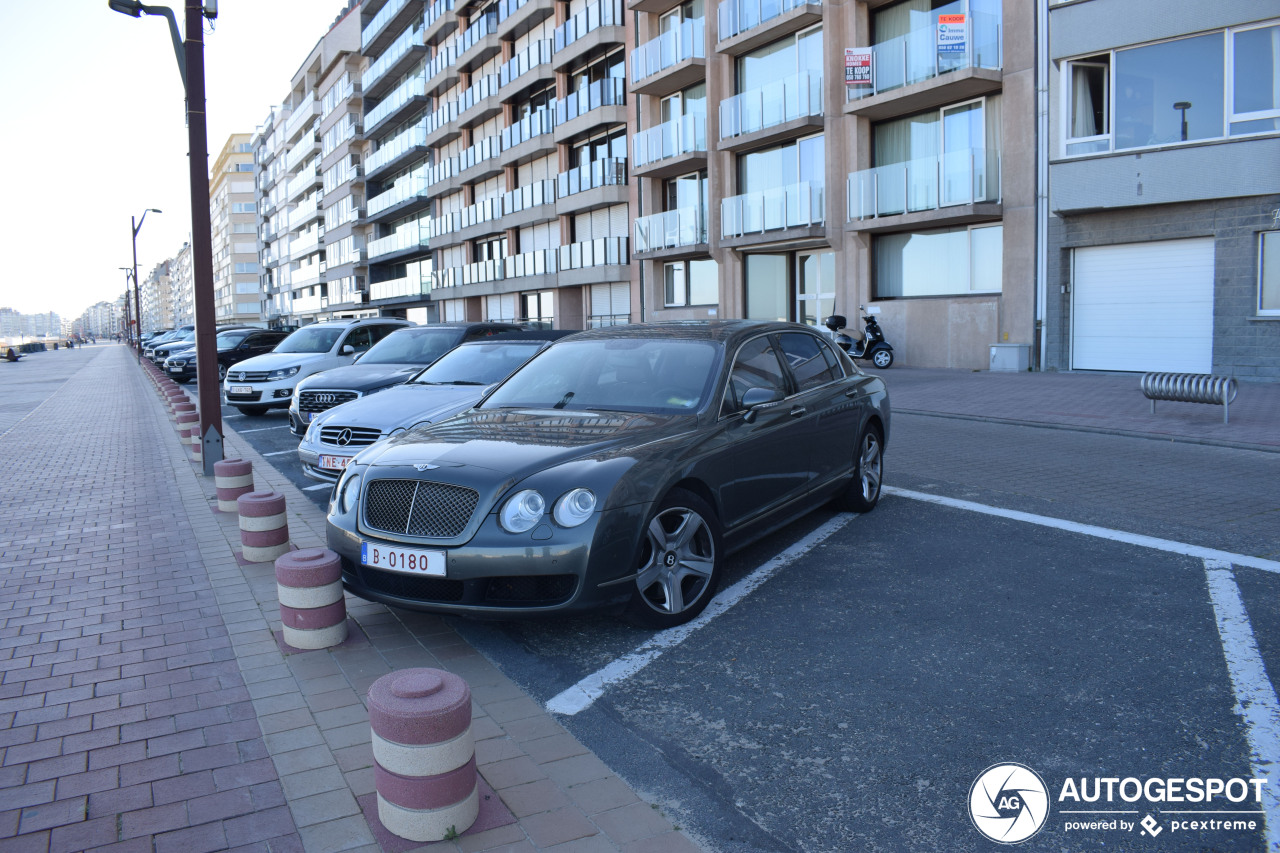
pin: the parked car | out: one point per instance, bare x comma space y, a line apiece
171, 335
234, 346
267, 381
391, 361
161, 353
616, 469
452, 384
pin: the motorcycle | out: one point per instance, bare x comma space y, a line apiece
873, 346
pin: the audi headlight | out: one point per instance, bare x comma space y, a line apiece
522, 511
284, 373
574, 507
348, 491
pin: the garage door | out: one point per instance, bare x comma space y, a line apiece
1143, 307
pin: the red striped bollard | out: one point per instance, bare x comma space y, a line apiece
197, 445
264, 529
184, 420
233, 478
424, 754
313, 612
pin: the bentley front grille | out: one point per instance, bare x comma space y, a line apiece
419, 507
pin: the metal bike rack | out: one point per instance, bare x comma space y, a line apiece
1190, 388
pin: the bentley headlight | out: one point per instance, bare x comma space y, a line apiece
348, 491
574, 507
522, 511
283, 373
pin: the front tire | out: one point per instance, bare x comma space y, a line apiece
864, 492
882, 358
679, 563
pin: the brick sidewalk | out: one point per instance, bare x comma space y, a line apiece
237, 743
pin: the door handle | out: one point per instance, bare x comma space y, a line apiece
797, 411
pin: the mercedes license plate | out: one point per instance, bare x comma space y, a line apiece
333, 463
407, 560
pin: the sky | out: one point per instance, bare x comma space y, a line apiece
95, 132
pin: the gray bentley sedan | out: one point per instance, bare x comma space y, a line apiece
616, 469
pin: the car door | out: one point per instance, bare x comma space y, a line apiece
760, 462
830, 419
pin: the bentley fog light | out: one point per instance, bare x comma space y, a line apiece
522, 511
574, 507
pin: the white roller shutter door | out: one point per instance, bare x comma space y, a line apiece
1143, 307
610, 299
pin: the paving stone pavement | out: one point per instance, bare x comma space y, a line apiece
147, 705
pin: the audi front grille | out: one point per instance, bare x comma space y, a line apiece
321, 401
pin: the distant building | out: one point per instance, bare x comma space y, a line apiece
15, 325
234, 233
157, 298
182, 287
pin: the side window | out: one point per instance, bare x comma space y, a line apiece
756, 366
380, 332
811, 362
477, 334
361, 338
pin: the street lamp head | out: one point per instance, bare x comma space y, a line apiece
1182, 105
126, 7
155, 210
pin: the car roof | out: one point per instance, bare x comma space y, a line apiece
525, 335
352, 321
704, 330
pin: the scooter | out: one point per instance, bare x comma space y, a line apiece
872, 346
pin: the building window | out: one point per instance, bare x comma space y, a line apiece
690, 283
1269, 273
1202, 87
538, 309
934, 159
941, 262
768, 284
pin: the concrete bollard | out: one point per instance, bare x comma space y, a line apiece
233, 478
313, 612
197, 446
264, 528
185, 420
424, 753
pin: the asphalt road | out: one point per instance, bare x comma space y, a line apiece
851, 700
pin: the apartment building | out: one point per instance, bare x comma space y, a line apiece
182, 288
1164, 167
156, 298
234, 232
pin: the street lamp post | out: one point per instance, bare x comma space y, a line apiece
190, 56
128, 323
137, 305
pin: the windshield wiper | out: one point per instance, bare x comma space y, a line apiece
564, 401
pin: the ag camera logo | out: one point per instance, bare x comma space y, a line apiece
1008, 803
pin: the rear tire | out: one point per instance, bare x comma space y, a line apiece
679, 563
882, 358
863, 493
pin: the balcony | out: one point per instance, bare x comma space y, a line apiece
684, 228
442, 71
596, 184
407, 193
437, 23
392, 18
304, 213
529, 204
470, 216
535, 57
441, 125
785, 109
604, 259
909, 74
307, 275
743, 25
600, 23
479, 41
779, 209
410, 238
960, 185
398, 57
537, 125
601, 102
308, 145
480, 100
476, 163
306, 181
301, 117
672, 61
307, 243
519, 16
417, 282
671, 148
309, 304
397, 151
397, 105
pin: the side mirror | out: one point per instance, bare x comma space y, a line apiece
756, 399
835, 322
348, 349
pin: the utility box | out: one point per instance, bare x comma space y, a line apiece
1014, 357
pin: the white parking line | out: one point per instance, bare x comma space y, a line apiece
317, 488
277, 453
262, 429
1255, 696
1092, 530
580, 696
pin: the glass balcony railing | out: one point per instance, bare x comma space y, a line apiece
396, 147
534, 124
418, 281
435, 10
304, 212
302, 114
914, 57
308, 178
485, 149
791, 206
538, 53
607, 172
602, 93
310, 304
306, 275
675, 138
474, 214
405, 188
444, 115
686, 226
507, 8
485, 25
529, 196
785, 100
445, 57
411, 235
309, 144
600, 13
482, 88
304, 244
739, 16
398, 50
380, 21
684, 42
415, 86
603, 251
927, 183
